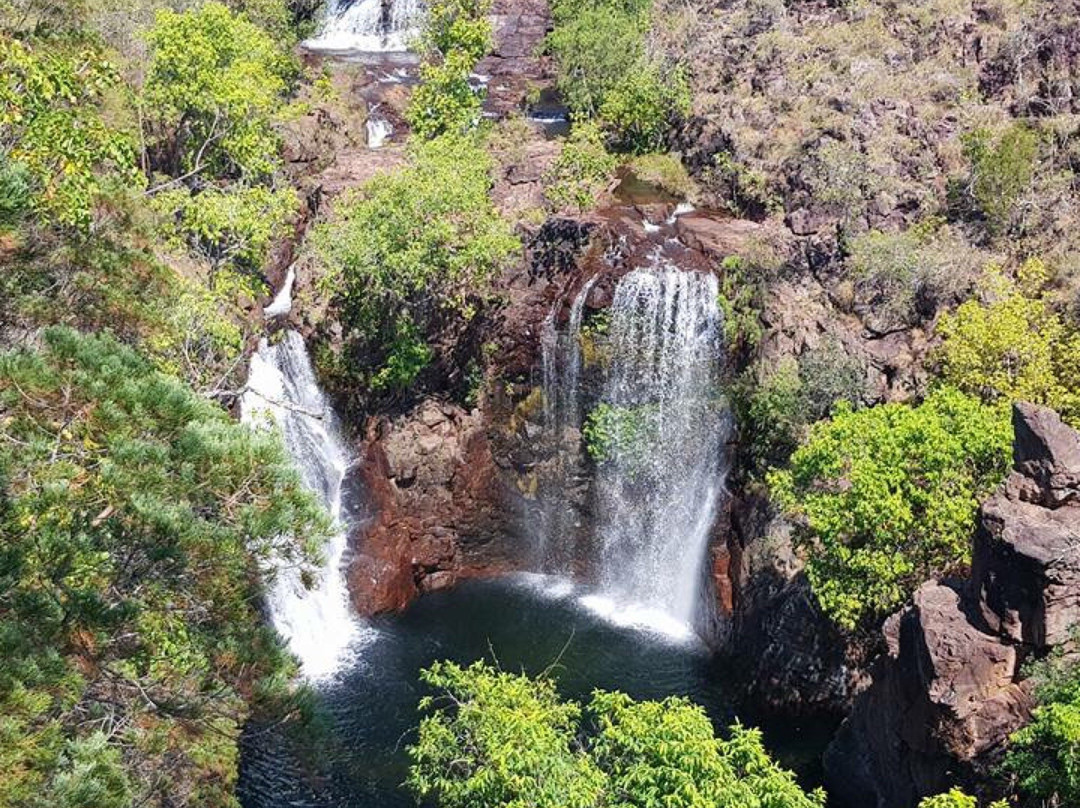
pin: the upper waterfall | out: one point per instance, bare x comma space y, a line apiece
318, 624
366, 25
657, 425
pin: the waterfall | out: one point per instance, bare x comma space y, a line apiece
659, 426
378, 130
366, 25
318, 624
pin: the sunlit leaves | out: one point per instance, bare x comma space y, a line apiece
887, 496
214, 84
492, 739
51, 126
1012, 345
136, 518
421, 243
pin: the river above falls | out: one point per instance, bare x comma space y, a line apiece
528, 624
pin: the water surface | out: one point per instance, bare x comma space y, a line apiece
527, 624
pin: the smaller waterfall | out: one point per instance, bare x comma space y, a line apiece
367, 25
378, 130
318, 624
561, 366
282, 302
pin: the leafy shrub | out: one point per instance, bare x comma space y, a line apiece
492, 739
829, 373
1013, 345
606, 72
456, 35
582, 172
626, 433
775, 411
214, 84
886, 497
771, 421
742, 289
1043, 758
1002, 171
15, 193
235, 225
664, 171
51, 127
955, 798
422, 243
136, 519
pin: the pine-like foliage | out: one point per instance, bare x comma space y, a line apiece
134, 519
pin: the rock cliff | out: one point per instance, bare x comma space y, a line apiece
950, 690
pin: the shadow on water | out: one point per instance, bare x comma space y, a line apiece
360, 761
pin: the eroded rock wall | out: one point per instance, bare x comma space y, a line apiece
950, 690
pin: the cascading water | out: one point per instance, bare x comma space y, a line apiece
366, 25
660, 427
318, 624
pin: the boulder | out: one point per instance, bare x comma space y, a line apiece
440, 507
1026, 561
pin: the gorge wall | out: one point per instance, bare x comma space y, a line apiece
950, 690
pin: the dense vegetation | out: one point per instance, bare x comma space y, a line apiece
1044, 757
140, 191
887, 497
493, 739
134, 520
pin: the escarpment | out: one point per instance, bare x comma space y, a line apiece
951, 689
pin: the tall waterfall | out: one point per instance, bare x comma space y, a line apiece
366, 25
660, 425
318, 624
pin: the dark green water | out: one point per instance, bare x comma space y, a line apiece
360, 761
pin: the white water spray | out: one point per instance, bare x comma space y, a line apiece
370, 26
318, 624
657, 487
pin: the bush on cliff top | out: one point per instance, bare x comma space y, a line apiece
886, 497
608, 73
492, 739
1012, 345
411, 249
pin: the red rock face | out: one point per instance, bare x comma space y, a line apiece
440, 507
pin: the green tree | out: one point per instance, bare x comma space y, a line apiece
1043, 758
886, 497
412, 248
53, 137
493, 739
135, 517
955, 798
455, 36
1002, 170
1012, 345
607, 73
582, 172
213, 87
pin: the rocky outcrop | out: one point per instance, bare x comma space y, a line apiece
440, 509
949, 691
790, 658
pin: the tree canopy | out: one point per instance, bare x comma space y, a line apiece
886, 496
492, 739
134, 517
